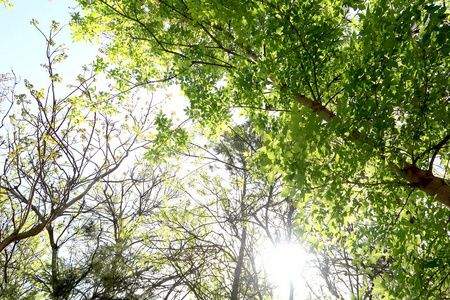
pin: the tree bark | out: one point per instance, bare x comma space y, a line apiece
426, 182
15, 236
240, 264
418, 178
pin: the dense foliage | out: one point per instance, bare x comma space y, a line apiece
347, 151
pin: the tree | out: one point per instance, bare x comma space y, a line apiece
119, 218
270, 215
341, 274
212, 236
246, 212
352, 98
54, 151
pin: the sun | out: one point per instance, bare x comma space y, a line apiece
285, 264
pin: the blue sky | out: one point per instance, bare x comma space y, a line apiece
22, 47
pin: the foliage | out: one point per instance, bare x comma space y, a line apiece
352, 99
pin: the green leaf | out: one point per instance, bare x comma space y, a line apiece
379, 286
285, 192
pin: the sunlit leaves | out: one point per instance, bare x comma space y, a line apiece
381, 69
169, 139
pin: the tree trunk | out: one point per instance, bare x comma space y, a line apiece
54, 268
240, 264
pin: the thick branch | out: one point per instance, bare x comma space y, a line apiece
426, 182
316, 106
15, 236
423, 180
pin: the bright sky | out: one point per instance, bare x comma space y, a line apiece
22, 47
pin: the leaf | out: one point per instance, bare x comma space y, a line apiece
285, 192
379, 286
362, 291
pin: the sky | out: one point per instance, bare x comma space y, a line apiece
23, 48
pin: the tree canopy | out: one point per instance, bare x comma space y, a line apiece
351, 97
348, 106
